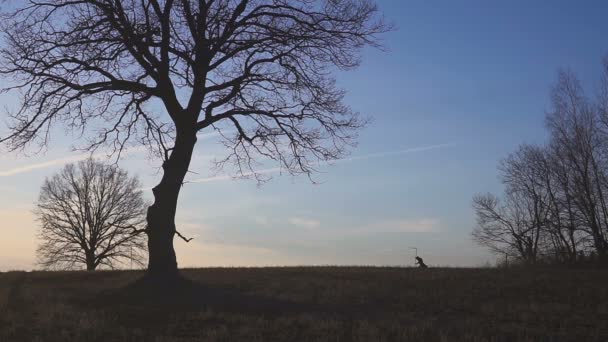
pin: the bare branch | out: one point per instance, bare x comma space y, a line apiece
183, 237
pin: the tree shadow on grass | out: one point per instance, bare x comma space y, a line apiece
186, 295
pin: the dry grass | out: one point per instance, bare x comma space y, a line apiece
311, 304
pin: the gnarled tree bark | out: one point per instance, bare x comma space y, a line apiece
161, 214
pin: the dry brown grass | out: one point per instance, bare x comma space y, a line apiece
311, 304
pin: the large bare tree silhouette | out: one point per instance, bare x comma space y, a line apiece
258, 71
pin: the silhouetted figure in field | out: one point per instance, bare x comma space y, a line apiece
420, 262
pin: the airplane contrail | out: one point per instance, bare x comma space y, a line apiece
49, 163
65, 160
348, 159
71, 159
397, 152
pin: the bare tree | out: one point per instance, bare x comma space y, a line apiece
92, 214
574, 124
525, 176
565, 222
555, 196
538, 218
516, 226
258, 71
504, 227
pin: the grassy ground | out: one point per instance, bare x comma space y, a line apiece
311, 304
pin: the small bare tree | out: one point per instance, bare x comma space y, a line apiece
92, 214
505, 228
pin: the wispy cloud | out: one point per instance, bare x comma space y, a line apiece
261, 220
343, 160
209, 135
304, 222
424, 225
428, 225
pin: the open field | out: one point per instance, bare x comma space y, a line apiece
311, 304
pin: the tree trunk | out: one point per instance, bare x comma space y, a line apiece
90, 265
90, 260
602, 252
162, 263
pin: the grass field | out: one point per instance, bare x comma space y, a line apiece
311, 304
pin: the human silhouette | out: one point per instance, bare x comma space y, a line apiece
420, 262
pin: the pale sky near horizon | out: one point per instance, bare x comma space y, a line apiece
462, 85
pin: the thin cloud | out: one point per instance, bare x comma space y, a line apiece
428, 225
424, 225
262, 220
207, 135
214, 134
304, 222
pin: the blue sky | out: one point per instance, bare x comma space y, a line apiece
462, 84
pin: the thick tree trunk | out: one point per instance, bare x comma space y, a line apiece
602, 252
162, 263
90, 266
90, 258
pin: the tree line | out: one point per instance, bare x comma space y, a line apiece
555, 202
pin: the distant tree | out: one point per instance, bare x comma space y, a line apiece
581, 144
524, 175
92, 214
555, 204
505, 228
516, 226
258, 71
